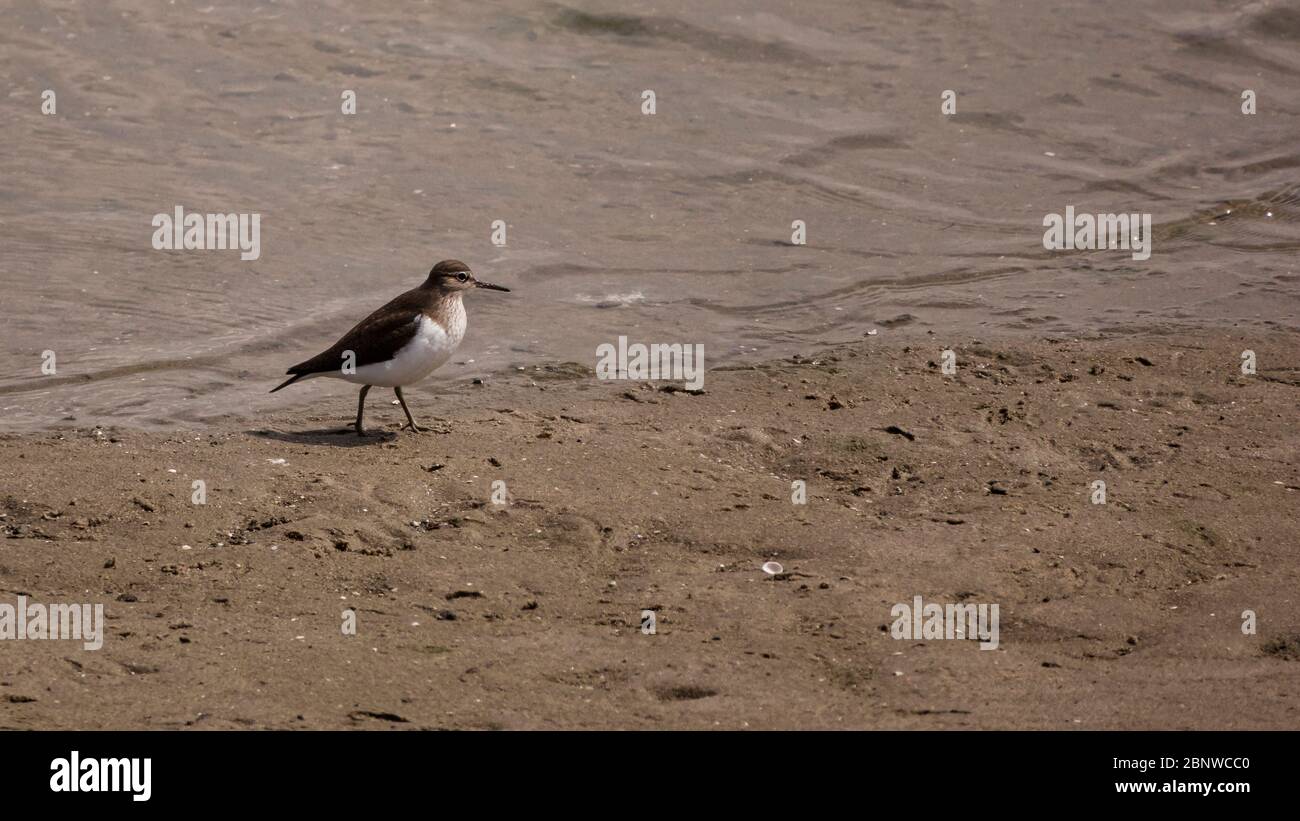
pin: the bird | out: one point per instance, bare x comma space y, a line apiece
402, 342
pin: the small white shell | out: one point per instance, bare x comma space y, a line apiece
773, 568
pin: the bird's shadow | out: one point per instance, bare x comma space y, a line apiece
331, 437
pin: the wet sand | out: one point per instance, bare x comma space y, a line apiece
623, 496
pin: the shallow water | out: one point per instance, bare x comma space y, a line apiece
674, 227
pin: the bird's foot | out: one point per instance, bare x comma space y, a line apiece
414, 428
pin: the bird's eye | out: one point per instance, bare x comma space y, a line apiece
462, 276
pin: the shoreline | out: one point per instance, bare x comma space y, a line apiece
462, 377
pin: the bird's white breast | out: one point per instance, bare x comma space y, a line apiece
430, 347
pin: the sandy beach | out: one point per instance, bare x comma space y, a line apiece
915, 396
624, 497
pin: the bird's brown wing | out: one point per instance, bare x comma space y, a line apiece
377, 338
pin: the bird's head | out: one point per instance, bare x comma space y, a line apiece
454, 275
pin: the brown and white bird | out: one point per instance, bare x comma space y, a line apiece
402, 342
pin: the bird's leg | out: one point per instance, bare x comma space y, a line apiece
361, 406
409, 417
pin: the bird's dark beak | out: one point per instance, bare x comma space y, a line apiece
481, 284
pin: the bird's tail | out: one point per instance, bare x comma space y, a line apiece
286, 383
